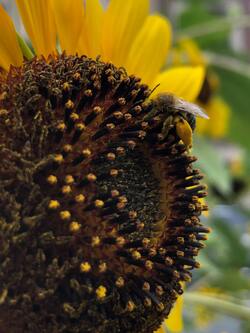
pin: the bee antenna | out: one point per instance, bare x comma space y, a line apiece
154, 88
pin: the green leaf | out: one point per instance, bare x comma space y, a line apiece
212, 164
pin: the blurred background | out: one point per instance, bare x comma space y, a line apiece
216, 34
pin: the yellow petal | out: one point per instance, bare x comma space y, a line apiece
160, 330
10, 52
91, 34
184, 82
174, 322
149, 50
39, 23
219, 113
69, 16
193, 54
122, 22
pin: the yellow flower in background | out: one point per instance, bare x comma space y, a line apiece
188, 52
126, 35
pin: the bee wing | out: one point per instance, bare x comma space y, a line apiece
181, 105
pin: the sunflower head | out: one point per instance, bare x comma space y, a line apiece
99, 214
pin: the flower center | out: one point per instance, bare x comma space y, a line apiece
99, 217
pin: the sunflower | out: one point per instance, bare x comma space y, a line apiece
99, 221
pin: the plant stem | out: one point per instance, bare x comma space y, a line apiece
213, 26
218, 304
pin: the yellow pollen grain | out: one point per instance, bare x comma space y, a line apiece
69, 105
88, 92
120, 282
3, 112
97, 109
86, 152
95, 241
53, 204
130, 306
80, 127
69, 179
123, 199
149, 265
99, 203
61, 127
85, 267
77, 76
65, 215
120, 241
102, 267
67, 148
114, 193
52, 180
91, 177
110, 126
3, 95
74, 116
66, 86
66, 189
114, 172
74, 226
80, 198
136, 255
58, 158
111, 156
101, 292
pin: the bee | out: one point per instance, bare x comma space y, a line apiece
177, 113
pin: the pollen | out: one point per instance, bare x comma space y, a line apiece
65, 215
95, 241
85, 267
66, 189
69, 105
69, 179
52, 180
101, 292
74, 226
58, 158
53, 204
80, 198
99, 203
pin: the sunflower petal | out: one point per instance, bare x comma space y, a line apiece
90, 39
39, 23
69, 16
10, 52
184, 82
174, 322
122, 22
149, 50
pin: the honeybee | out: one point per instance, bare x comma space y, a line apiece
177, 113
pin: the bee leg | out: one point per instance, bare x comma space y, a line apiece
167, 125
184, 131
151, 114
